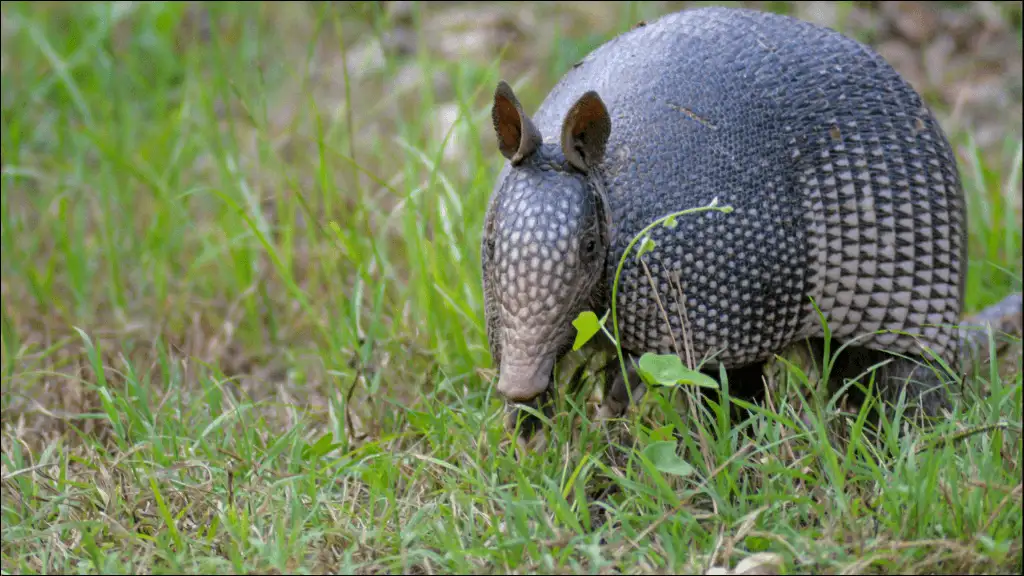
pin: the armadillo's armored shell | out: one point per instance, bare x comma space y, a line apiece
844, 188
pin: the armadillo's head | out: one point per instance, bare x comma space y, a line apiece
545, 241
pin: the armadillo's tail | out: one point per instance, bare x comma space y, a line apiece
1004, 318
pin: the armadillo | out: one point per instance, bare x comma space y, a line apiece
845, 197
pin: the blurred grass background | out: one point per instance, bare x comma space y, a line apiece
232, 229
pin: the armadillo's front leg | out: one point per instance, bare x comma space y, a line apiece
616, 397
532, 435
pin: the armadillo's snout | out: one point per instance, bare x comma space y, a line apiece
522, 381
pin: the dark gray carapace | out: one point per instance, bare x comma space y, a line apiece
843, 186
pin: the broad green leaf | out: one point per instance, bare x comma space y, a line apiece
664, 457
586, 325
662, 433
668, 370
320, 448
646, 245
421, 421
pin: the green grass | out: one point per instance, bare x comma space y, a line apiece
242, 331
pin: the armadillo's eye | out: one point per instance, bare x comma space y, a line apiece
590, 246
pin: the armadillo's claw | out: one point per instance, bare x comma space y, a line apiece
531, 432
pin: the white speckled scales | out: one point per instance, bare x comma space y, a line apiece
886, 237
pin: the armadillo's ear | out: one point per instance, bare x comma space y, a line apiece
585, 132
517, 136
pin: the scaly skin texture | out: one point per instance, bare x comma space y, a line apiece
548, 261
843, 185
